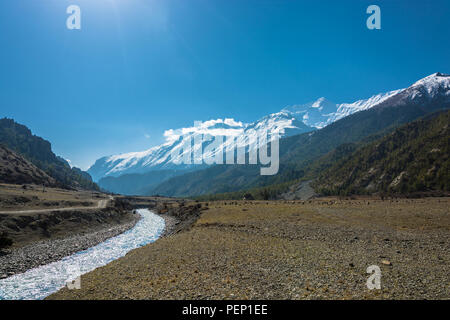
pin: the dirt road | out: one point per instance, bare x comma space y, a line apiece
101, 204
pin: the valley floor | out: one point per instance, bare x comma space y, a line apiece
289, 250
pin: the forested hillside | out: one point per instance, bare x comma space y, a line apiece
414, 158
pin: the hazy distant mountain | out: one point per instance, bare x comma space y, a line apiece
137, 183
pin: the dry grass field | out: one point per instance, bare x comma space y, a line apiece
289, 250
33, 197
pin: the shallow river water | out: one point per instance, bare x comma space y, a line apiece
39, 282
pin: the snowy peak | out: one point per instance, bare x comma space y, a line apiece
283, 122
313, 114
323, 105
346, 109
432, 85
433, 80
322, 112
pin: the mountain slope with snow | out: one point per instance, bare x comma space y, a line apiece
289, 121
170, 154
300, 155
322, 112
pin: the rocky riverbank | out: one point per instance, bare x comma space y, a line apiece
44, 237
73, 231
43, 252
179, 215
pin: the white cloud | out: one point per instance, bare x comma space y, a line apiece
171, 135
218, 127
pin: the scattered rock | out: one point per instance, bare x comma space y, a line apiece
386, 262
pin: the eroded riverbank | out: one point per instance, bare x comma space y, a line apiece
44, 237
39, 282
46, 251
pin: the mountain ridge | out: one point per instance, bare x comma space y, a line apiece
297, 152
19, 139
290, 120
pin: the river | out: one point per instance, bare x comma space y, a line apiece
42, 281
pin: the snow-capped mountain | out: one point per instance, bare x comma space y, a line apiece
170, 154
289, 121
431, 86
435, 88
322, 112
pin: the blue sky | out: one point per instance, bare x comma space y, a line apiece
140, 67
